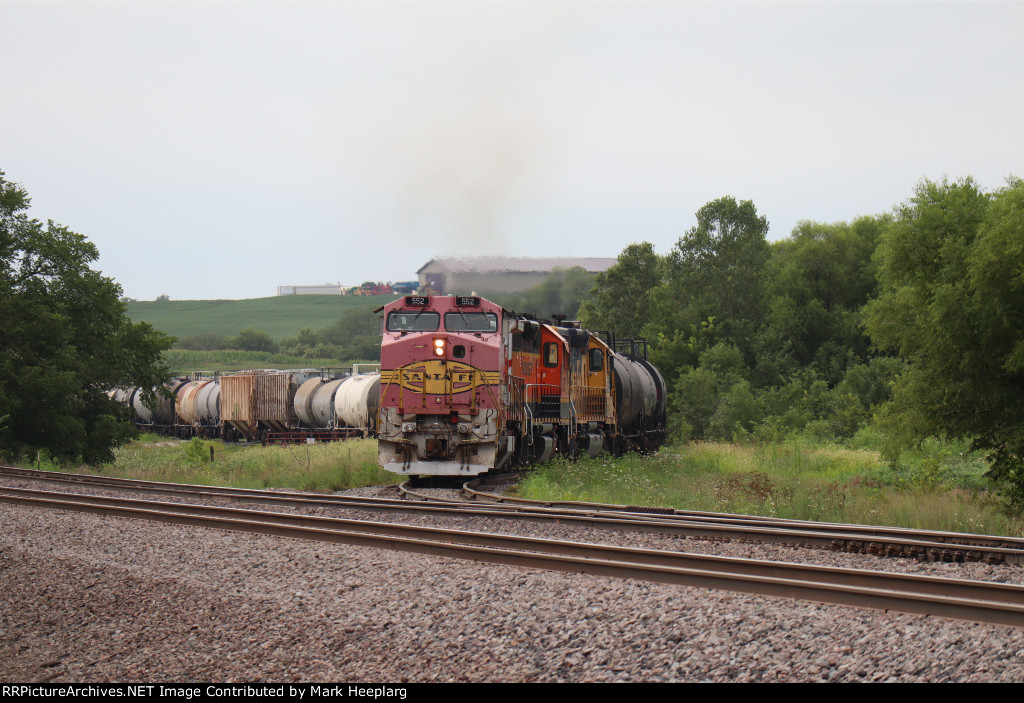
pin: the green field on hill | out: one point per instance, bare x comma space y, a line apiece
280, 316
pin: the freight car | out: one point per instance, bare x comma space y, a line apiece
269, 406
467, 387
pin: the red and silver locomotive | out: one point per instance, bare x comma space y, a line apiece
467, 387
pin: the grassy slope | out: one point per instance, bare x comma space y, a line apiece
326, 467
280, 316
941, 487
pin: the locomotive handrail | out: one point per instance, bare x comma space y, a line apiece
357, 369
572, 417
543, 385
591, 398
526, 392
529, 419
490, 393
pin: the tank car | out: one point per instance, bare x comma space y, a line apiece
160, 413
346, 406
640, 398
198, 407
270, 406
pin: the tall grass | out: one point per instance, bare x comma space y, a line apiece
940, 487
323, 467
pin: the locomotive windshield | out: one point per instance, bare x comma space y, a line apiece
470, 322
413, 321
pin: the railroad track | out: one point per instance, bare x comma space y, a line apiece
887, 542
931, 545
951, 598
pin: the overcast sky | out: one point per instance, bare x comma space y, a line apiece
219, 150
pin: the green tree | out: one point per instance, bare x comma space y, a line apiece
561, 293
714, 399
306, 337
251, 339
951, 271
716, 271
356, 334
621, 296
65, 342
816, 282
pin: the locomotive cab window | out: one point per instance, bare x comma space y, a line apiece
470, 322
551, 354
410, 321
596, 360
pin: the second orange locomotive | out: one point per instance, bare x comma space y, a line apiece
467, 387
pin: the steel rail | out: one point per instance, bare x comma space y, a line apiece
625, 512
866, 531
283, 497
966, 600
151, 486
496, 512
405, 488
839, 540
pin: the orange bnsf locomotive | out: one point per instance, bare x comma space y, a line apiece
467, 387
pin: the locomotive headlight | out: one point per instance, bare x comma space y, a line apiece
439, 347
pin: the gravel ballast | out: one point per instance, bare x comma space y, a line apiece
89, 598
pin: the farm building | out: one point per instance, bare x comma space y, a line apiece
498, 274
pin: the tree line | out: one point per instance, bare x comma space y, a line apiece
909, 324
354, 335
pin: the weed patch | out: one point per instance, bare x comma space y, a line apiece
940, 487
324, 467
